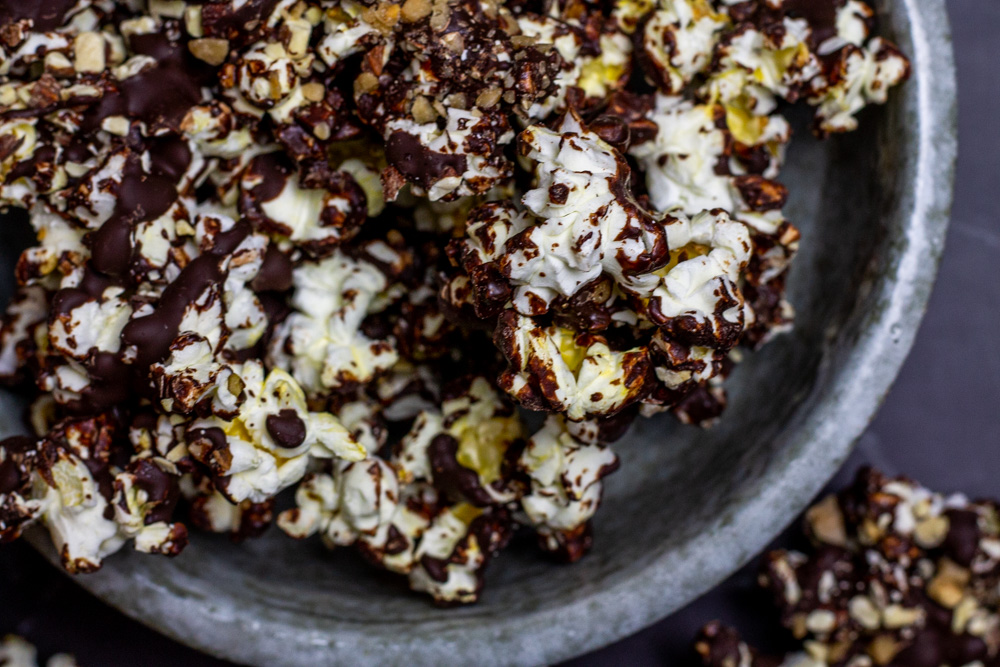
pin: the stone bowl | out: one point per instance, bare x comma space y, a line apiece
689, 506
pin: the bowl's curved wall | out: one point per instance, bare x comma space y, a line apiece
689, 506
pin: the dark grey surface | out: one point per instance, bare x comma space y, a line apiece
939, 424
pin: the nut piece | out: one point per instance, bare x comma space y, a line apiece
931, 532
488, 98
313, 91
864, 612
414, 10
883, 649
365, 83
827, 522
821, 620
896, 616
211, 50
948, 586
422, 110
89, 51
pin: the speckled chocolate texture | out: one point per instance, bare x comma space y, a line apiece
341, 245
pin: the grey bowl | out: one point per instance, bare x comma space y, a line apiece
688, 507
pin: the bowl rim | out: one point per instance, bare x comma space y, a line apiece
812, 456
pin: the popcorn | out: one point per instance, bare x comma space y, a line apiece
406, 390
160, 436
591, 69
774, 247
285, 243
554, 369
345, 33
444, 551
357, 502
364, 421
692, 163
858, 77
422, 331
73, 487
678, 40
680, 163
487, 232
468, 70
146, 493
223, 317
453, 161
363, 503
217, 131
455, 550
463, 449
26, 312
266, 446
565, 488
321, 343
19, 144
776, 58
589, 223
829, 60
213, 512
318, 217
91, 326
698, 299
267, 74
680, 367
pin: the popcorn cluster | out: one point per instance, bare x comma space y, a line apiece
898, 575
339, 244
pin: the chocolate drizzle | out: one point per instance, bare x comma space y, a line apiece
162, 492
820, 14
286, 428
450, 476
275, 273
152, 335
142, 197
418, 163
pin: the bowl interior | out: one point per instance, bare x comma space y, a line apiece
688, 505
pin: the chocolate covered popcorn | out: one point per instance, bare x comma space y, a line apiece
565, 487
897, 575
342, 246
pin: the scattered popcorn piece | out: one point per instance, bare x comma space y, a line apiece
897, 574
17, 652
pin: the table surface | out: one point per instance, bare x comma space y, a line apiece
940, 423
